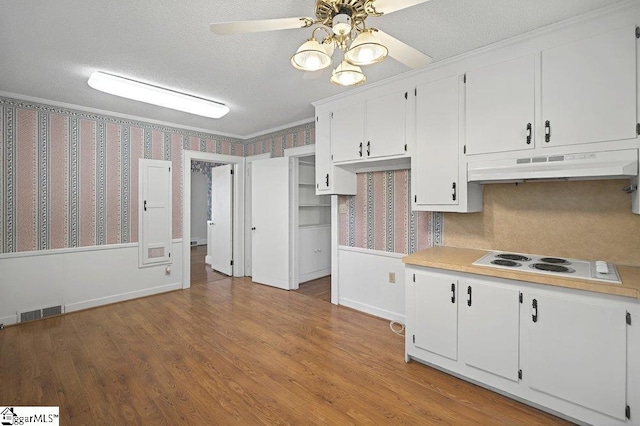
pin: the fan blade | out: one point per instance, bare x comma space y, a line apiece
389, 6
242, 27
403, 53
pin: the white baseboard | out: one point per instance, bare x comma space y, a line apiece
207, 260
372, 310
309, 276
121, 297
9, 320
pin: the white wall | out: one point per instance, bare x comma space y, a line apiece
199, 203
364, 282
81, 278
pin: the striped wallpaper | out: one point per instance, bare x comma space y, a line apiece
379, 217
277, 142
69, 178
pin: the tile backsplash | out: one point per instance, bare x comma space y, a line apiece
579, 219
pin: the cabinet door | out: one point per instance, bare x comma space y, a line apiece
323, 152
435, 307
347, 133
577, 352
589, 89
437, 142
500, 107
386, 126
489, 329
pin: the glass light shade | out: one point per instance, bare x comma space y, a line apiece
346, 74
311, 56
142, 92
366, 50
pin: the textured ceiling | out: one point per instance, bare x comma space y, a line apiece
48, 49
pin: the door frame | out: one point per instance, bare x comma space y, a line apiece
299, 151
238, 209
247, 210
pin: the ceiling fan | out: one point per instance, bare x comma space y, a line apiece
344, 28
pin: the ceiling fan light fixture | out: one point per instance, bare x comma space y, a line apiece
341, 24
346, 74
311, 56
366, 49
138, 91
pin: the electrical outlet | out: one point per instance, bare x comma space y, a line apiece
392, 277
342, 208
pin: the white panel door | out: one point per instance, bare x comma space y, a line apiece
386, 126
155, 212
578, 352
221, 222
490, 328
589, 89
437, 142
347, 133
435, 308
500, 107
270, 219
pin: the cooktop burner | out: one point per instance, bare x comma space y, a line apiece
512, 256
536, 264
550, 267
504, 262
555, 260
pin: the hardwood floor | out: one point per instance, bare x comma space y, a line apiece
227, 351
320, 288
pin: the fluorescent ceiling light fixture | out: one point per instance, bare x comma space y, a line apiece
142, 92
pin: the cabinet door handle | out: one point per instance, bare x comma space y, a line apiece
534, 305
469, 293
368, 148
360, 149
528, 133
253, 228
547, 131
145, 205
327, 180
453, 293
453, 191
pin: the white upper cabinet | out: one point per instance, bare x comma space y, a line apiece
438, 169
370, 129
329, 179
385, 126
437, 147
347, 133
500, 107
589, 90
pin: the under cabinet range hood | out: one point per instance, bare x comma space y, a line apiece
579, 166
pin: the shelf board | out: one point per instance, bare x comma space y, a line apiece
314, 225
306, 184
314, 205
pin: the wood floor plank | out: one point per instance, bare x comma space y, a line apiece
228, 351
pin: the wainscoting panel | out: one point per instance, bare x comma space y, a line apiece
363, 277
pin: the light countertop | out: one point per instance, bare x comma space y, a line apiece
461, 260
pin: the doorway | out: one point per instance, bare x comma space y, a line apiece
237, 206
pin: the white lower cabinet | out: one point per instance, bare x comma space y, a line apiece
489, 328
577, 352
435, 310
564, 350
